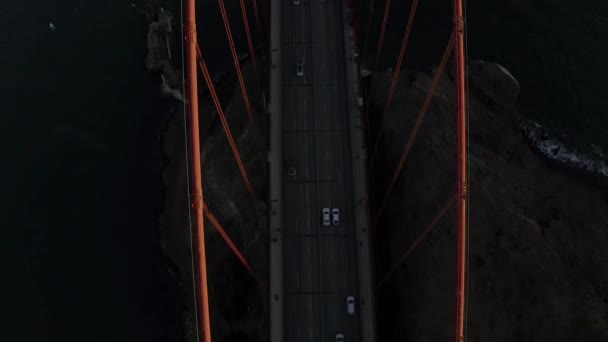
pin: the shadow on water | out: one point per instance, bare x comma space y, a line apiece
388, 310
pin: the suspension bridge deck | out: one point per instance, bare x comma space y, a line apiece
315, 129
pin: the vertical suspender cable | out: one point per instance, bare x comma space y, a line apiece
220, 113
237, 64
257, 16
414, 132
391, 91
246, 21
418, 240
387, 9
216, 224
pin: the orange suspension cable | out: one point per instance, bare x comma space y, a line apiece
386, 11
414, 132
391, 92
255, 10
226, 238
197, 173
246, 21
416, 242
220, 111
462, 171
235, 58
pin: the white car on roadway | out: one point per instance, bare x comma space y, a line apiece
326, 217
335, 215
339, 338
350, 305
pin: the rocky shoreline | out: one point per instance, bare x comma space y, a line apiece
161, 48
237, 304
550, 147
536, 231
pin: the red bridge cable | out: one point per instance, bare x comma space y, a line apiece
220, 111
246, 21
391, 93
386, 11
416, 242
197, 174
459, 30
235, 58
226, 238
255, 10
414, 132
232, 246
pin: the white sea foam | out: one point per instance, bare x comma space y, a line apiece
503, 69
167, 90
558, 151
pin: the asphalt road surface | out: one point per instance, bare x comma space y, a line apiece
319, 263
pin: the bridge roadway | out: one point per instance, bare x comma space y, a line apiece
319, 265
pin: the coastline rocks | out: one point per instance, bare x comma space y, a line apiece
159, 54
493, 84
536, 232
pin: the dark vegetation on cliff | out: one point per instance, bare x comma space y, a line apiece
537, 233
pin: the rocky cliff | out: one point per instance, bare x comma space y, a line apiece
537, 233
237, 301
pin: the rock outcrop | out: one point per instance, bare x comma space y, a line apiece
238, 303
537, 234
160, 36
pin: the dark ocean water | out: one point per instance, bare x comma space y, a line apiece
81, 169
82, 187
555, 49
